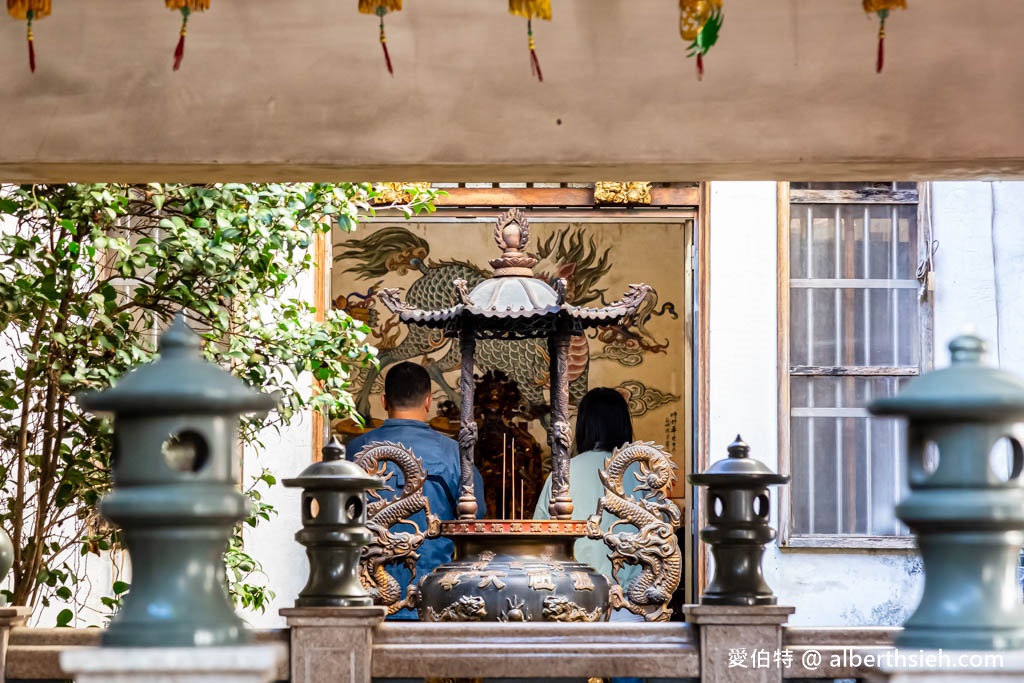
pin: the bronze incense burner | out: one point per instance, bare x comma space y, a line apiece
520, 569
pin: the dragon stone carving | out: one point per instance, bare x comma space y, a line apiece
390, 546
653, 546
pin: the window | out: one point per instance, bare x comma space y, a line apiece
855, 325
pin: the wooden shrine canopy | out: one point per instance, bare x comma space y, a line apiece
300, 92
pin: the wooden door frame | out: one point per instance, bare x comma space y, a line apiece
668, 203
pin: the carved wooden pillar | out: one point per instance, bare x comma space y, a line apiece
467, 507
560, 506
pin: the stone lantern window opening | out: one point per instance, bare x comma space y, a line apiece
186, 451
311, 506
1006, 458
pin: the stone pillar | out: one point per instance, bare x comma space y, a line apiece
9, 617
332, 644
739, 643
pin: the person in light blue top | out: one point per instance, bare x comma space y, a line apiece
407, 400
603, 424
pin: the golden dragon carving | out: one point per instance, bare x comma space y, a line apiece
653, 545
390, 546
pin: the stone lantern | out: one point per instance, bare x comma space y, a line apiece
738, 505
175, 493
969, 521
334, 529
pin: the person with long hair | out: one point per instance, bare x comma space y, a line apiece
603, 424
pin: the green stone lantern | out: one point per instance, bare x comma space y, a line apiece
738, 528
968, 520
334, 529
175, 493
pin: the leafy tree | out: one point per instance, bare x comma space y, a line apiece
88, 275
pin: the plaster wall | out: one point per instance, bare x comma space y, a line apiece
299, 91
979, 281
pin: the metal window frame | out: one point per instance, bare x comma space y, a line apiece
786, 198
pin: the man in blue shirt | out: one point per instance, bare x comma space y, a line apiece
407, 400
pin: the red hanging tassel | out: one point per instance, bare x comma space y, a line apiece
179, 51
384, 41
700, 66
880, 62
534, 62
31, 46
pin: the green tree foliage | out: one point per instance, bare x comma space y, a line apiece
88, 275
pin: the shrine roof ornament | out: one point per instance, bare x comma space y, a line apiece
514, 303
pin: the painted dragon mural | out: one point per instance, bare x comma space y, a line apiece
569, 253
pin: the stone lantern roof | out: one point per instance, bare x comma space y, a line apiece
967, 389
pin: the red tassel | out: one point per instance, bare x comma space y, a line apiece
700, 66
881, 53
384, 41
534, 62
179, 52
31, 46
387, 57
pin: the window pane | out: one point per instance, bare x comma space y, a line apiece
797, 244
799, 331
847, 474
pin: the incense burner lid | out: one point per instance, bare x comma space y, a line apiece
513, 297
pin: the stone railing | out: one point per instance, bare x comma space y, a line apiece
476, 650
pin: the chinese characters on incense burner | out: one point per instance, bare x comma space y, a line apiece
522, 570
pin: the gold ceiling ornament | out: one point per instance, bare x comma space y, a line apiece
396, 193
186, 7
882, 9
541, 9
27, 11
380, 8
700, 22
634, 192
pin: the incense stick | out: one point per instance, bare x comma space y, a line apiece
513, 477
504, 450
522, 499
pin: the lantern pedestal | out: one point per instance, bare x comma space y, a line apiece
9, 618
724, 628
232, 664
332, 644
946, 666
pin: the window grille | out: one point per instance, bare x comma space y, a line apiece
855, 332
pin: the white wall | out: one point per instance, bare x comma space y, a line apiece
979, 272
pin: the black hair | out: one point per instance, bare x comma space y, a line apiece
406, 385
603, 422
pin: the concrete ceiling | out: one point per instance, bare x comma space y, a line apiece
298, 90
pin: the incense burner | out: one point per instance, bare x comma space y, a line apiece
510, 569
514, 570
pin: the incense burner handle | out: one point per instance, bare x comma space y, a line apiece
390, 547
649, 473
